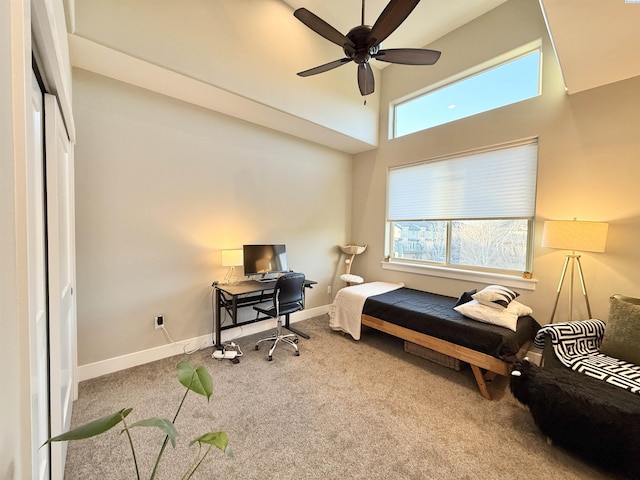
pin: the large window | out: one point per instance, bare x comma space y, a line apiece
473, 211
503, 84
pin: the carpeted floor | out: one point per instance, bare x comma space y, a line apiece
341, 410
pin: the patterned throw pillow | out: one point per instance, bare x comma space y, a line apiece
622, 334
496, 296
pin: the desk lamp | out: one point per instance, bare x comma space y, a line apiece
575, 236
231, 259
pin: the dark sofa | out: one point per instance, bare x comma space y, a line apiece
595, 420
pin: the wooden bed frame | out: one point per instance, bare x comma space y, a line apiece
478, 361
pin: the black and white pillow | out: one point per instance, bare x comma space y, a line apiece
496, 296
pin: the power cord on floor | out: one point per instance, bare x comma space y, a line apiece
184, 344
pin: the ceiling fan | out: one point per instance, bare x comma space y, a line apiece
362, 43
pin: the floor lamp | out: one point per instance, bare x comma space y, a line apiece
575, 236
231, 259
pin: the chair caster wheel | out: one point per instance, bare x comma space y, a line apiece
295, 340
270, 357
297, 354
257, 347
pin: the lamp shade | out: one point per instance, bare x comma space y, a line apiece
231, 258
575, 235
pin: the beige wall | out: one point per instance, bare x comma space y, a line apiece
588, 161
253, 52
163, 186
160, 189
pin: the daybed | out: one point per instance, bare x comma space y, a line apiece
430, 320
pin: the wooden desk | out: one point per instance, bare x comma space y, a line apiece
231, 297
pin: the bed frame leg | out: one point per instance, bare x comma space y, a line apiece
477, 373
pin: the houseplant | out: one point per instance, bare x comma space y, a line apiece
197, 380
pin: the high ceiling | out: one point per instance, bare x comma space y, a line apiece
160, 45
596, 40
430, 20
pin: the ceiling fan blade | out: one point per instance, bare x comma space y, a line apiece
366, 82
391, 17
408, 56
322, 28
324, 68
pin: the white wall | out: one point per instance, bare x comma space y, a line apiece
163, 186
588, 154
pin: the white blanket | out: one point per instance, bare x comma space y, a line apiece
346, 311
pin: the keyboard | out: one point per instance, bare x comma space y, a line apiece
266, 280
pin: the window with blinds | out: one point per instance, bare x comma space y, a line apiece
472, 211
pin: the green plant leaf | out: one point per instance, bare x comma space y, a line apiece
91, 429
197, 380
220, 440
163, 424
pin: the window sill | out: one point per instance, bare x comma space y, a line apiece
458, 274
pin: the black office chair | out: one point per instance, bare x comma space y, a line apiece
288, 297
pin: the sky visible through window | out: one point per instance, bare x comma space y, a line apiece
502, 85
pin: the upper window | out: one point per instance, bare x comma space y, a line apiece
474, 211
509, 82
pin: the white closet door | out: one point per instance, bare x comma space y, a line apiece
61, 263
38, 327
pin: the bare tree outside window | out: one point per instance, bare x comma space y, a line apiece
499, 244
494, 244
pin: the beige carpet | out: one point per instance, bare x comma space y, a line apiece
341, 410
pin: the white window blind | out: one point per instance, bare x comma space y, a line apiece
499, 183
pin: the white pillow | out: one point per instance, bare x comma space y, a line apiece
507, 318
495, 296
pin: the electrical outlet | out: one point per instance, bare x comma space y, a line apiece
328, 289
159, 321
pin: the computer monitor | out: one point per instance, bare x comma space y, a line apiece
264, 260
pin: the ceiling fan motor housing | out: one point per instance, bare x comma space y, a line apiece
360, 37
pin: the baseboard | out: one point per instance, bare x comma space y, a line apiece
111, 365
